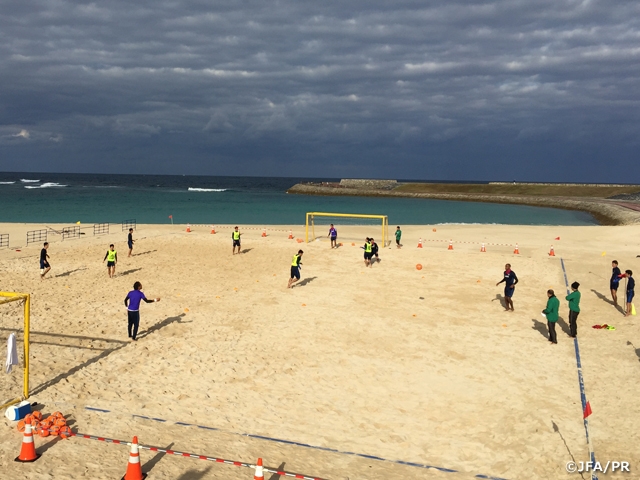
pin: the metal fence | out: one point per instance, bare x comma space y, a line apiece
4, 240
101, 229
70, 232
127, 224
34, 236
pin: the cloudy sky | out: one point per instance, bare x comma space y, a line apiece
452, 89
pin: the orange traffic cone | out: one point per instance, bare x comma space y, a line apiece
264, 232
259, 475
290, 235
551, 252
134, 470
516, 250
482, 248
420, 243
213, 229
188, 228
450, 245
28, 450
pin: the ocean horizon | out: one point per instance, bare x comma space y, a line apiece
98, 198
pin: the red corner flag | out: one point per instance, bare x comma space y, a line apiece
587, 411
170, 216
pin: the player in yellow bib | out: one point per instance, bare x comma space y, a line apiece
235, 235
111, 257
295, 268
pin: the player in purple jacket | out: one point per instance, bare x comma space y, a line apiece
132, 302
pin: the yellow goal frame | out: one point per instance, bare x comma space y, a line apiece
311, 215
8, 297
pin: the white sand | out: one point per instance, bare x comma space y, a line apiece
420, 366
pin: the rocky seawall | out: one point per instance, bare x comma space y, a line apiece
605, 211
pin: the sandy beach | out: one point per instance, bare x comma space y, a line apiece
418, 366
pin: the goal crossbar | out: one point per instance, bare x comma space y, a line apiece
309, 221
8, 297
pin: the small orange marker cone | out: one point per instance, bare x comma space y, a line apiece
482, 248
134, 469
28, 449
434, 229
290, 235
516, 250
213, 230
450, 245
551, 252
259, 475
264, 232
188, 228
420, 243
557, 238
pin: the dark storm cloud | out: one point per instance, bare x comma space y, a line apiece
542, 90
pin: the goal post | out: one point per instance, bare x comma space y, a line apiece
8, 297
310, 222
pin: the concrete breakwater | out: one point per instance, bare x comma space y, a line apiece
605, 211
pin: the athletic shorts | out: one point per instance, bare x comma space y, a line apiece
333, 239
236, 243
111, 264
130, 245
295, 272
614, 285
508, 291
44, 265
397, 241
368, 255
630, 295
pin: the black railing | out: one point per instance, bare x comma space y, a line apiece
34, 236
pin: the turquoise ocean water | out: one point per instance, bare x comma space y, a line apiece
68, 198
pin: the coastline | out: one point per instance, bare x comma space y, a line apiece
606, 212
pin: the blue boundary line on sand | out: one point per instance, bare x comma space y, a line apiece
583, 394
305, 445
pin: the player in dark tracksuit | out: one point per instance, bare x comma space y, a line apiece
510, 280
614, 283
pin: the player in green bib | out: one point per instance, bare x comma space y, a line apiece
111, 257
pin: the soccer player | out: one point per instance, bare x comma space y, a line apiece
614, 283
235, 235
333, 233
132, 302
374, 251
112, 258
44, 263
130, 241
631, 285
368, 252
295, 268
510, 280
551, 312
398, 237
574, 309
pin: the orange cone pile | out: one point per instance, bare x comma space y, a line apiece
482, 248
551, 252
213, 230
28, 449
264, 232
259, 475
54, 424
516, 250
134, 469
450, 245
188, 228
290, 235
420, 243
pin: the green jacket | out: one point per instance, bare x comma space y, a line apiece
553, 305
574, 301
